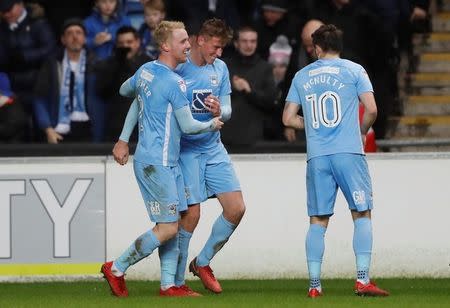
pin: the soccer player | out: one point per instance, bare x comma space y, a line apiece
162, 109
328, 91
204, 161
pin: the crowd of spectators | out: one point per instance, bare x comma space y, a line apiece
62, 62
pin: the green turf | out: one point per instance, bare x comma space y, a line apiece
237, 293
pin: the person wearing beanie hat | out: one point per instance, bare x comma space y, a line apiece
280, 51
73, 22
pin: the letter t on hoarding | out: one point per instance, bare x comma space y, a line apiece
7, 189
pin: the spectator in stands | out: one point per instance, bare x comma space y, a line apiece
134, 10
253, 96
275, 20
280, 52
12, 116
25, 43
101, 27
154, 12
112, 72
64, 91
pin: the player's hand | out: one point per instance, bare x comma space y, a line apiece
217, 123
52, 136
121, 152
290, 134
212, 104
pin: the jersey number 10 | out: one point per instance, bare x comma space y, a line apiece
326, 110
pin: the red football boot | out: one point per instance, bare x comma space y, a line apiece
206, 275
189, 290
369, 289
177, 292
117, 284
313, 293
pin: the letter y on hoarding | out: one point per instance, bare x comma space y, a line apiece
61, 214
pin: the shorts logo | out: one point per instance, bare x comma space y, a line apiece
359, 197
187, 193
214, 80
172, 209
198, 100
155, 208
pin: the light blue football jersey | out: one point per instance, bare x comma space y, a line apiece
159, 92
328, 91
202, 81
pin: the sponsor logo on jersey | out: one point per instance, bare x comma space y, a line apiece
198, 100
322, 70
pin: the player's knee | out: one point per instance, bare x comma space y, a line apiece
235, 213
167, 230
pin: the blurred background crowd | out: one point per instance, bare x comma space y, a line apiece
62, 62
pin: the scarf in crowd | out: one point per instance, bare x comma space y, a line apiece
72, 105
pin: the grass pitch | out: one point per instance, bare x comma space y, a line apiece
237, 293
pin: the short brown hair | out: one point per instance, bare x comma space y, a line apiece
157, 5
329, 38
164, 30
216, 27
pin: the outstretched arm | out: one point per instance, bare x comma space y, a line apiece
191, 126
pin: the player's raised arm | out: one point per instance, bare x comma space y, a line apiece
290, 116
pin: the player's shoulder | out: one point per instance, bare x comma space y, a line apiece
219, 63
350, 65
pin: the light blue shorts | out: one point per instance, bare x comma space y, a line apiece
207, 174
325, 174
162, 189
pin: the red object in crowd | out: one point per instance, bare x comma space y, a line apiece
371, 145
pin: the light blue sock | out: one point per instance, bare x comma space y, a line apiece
362, 246
315, 247
220, 233
141, 248
183, 244
168, 256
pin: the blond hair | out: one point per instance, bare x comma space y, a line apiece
164, 31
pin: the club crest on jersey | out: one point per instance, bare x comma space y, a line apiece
182, 85
214, 80
198, 100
